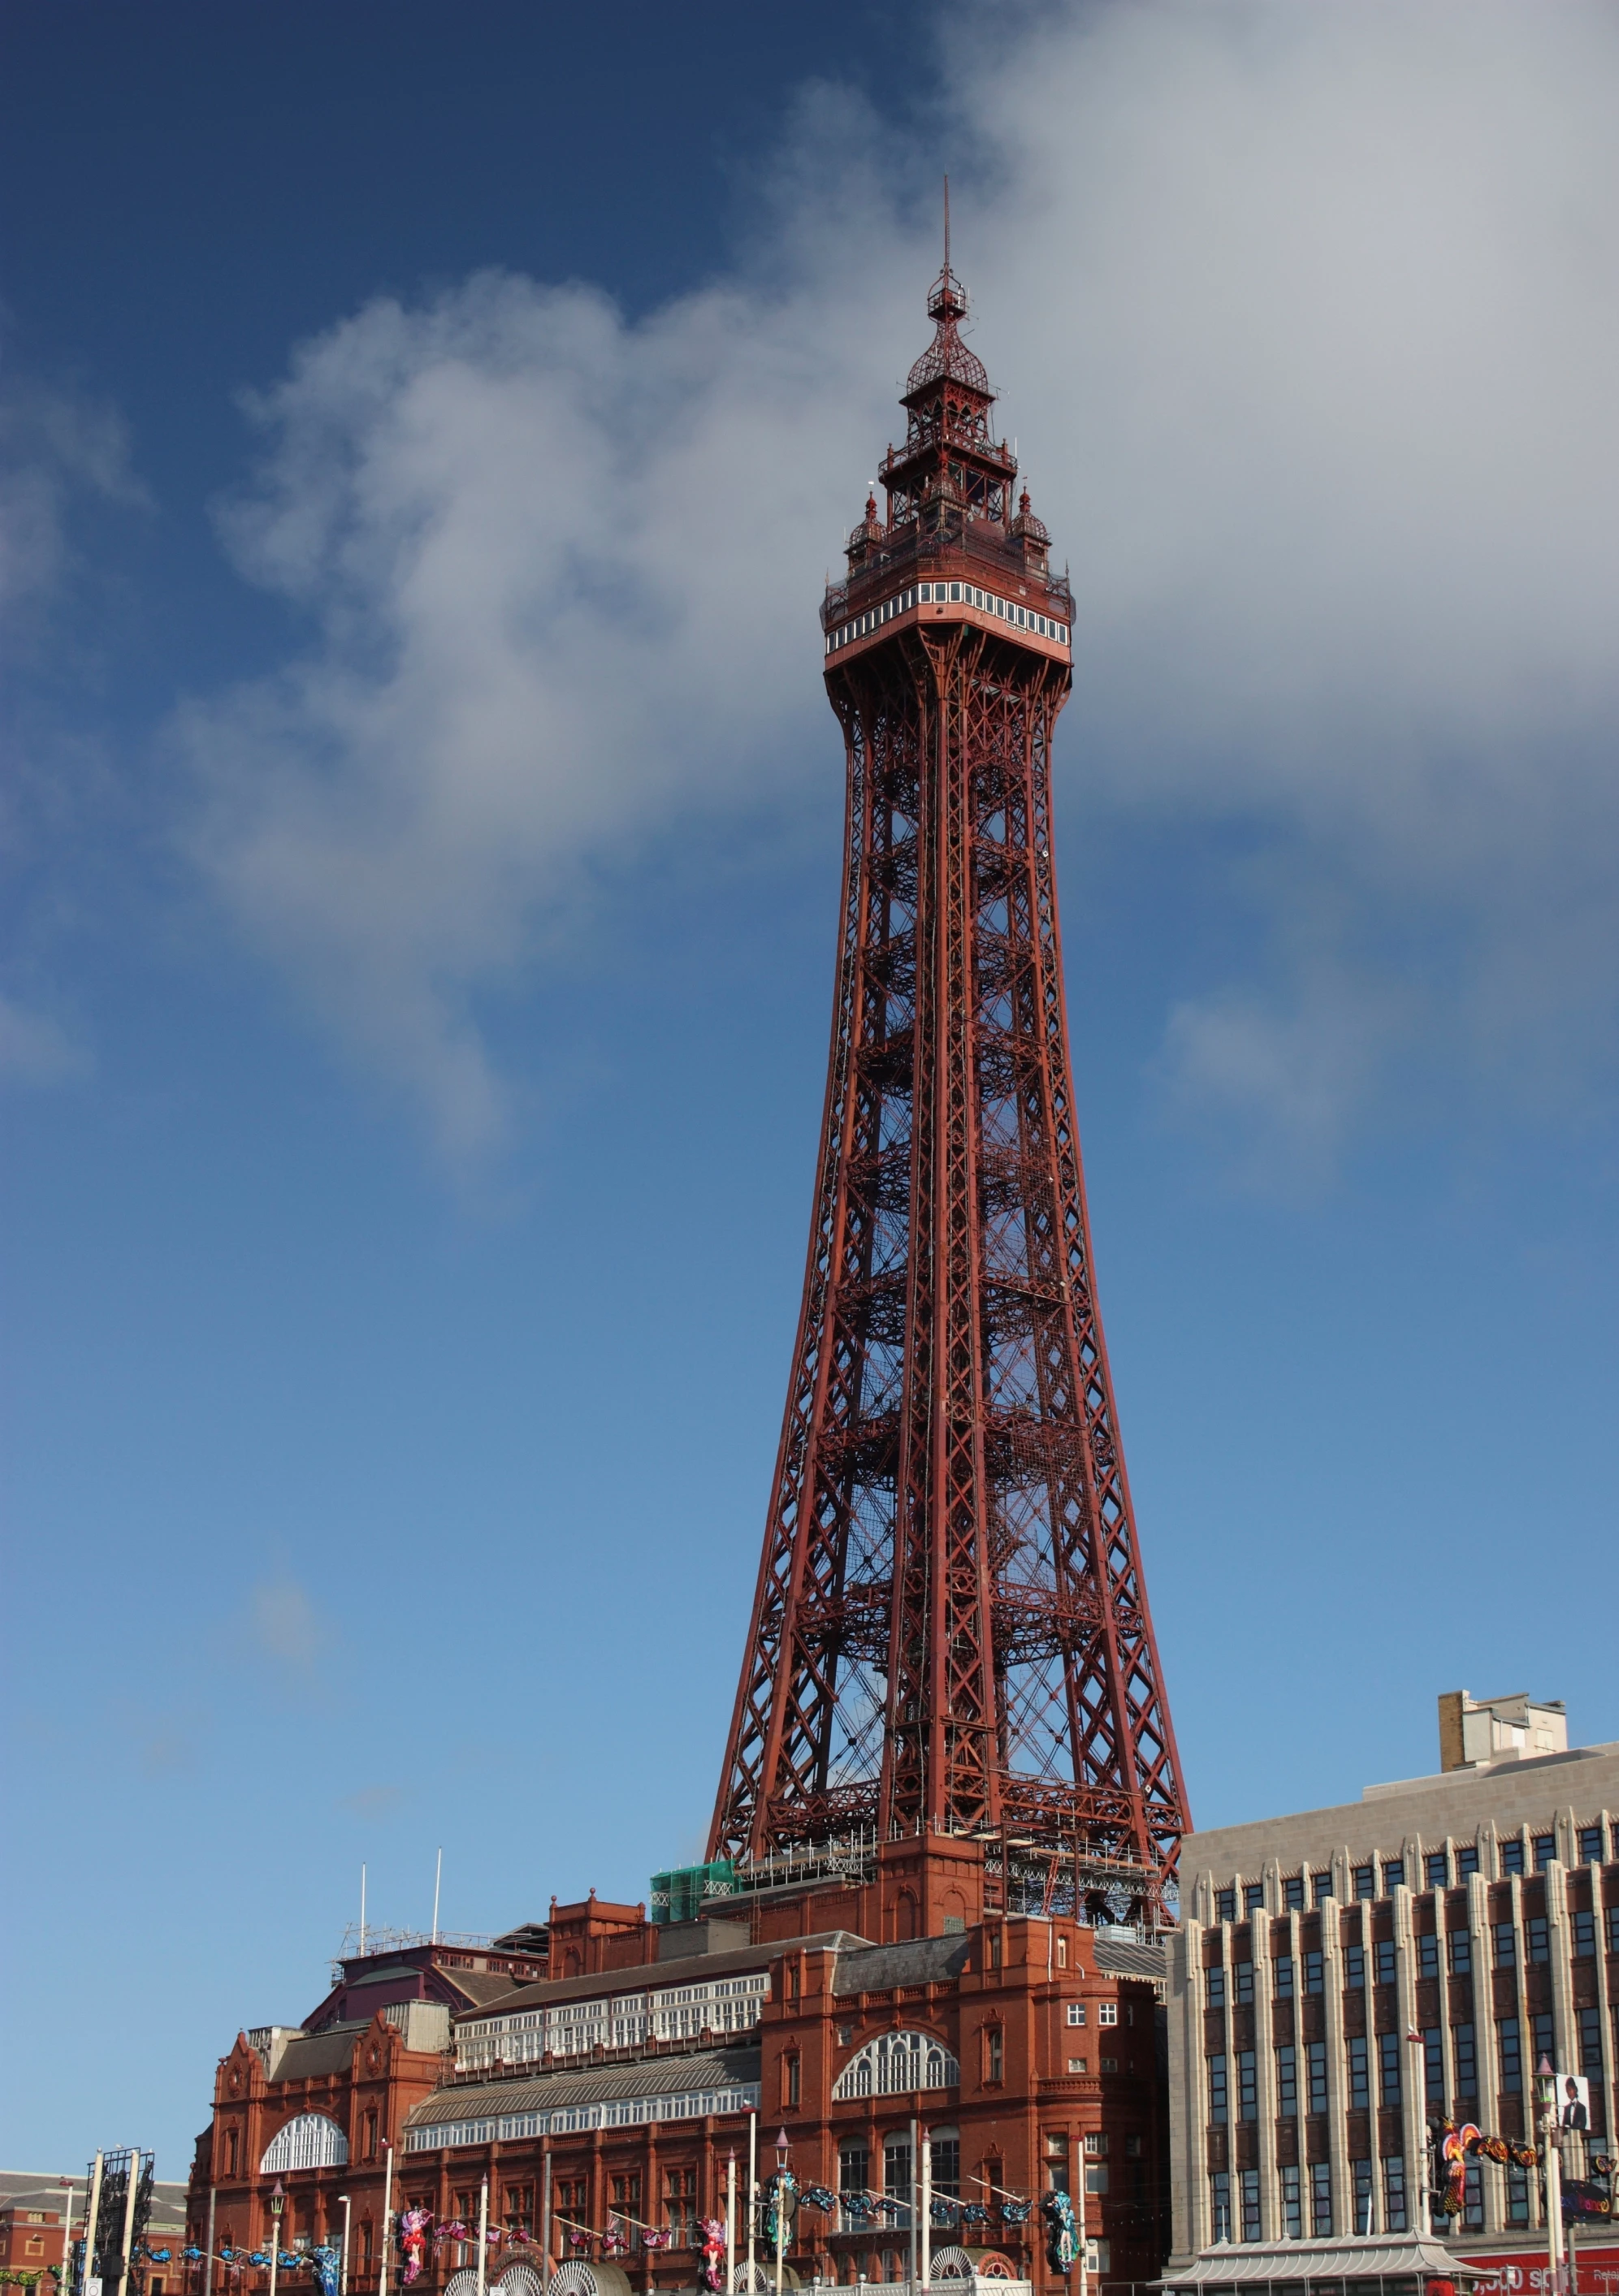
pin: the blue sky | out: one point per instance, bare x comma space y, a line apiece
424, 433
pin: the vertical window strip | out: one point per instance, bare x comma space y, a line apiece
1292, 2214
1219, 2204
1394, 2218
1320, 2199
1250, 2225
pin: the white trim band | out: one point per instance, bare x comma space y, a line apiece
950, 594
616, 2112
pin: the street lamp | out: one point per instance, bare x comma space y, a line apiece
780, 2204
278, 2201
752, 2192
342, 2262
927, 2229
1546, 2081
730, 2226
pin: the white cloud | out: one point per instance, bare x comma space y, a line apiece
1308, 325
53, 445
35, 1049
285, 1623
565, 572
1291, 1077
374, 1802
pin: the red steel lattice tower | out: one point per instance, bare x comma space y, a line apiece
950, 1631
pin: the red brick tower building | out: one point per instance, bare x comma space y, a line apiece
944, 1844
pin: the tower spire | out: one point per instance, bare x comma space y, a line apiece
950, 1632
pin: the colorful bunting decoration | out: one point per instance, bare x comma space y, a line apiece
711, 2272
1062, 2245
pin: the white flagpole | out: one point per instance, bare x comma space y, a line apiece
752, 2192
927, 2209
730, 2227
93, 2224
381, 2284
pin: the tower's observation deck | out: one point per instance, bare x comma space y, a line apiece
953, 546
951, 1634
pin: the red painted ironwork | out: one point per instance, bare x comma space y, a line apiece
951, 1630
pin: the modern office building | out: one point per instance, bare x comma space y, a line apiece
1345, 1979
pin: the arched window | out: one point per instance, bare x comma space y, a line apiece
312, 2140
895, 2064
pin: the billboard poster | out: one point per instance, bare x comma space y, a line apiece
1574, 2102
1526, 2273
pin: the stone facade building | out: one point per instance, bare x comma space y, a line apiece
1342, 1977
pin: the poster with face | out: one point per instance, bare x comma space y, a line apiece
1574, 2101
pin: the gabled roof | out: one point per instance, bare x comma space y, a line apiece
528, 1937
315, 2054
21, 2186
481, 1985
1367, 2257
918, 1961
52, 2199
1120, 1956
597, 2085
657, 1976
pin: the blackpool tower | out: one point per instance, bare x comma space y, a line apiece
951, 1634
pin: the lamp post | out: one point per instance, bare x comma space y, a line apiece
927, 2209
730, 2227
382, 2280
278, 2201
752, 2194
66, 2238
342, 2258
1546, 2080
780, 2204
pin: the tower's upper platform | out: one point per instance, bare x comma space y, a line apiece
955, 537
